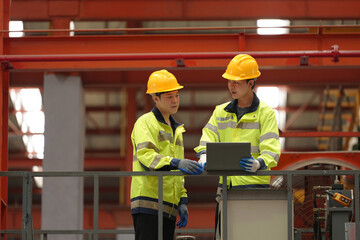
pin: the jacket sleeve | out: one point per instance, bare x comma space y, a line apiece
269, 142
146, 147
184, 196
209, 134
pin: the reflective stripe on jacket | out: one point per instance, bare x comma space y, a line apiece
155, 144
258, 126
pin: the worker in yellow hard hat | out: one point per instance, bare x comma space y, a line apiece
244, 119
158, 146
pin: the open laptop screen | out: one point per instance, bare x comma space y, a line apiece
226, 155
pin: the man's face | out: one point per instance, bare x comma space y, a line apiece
239, 89
168, 103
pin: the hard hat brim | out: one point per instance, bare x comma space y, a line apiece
165, 90
234, 78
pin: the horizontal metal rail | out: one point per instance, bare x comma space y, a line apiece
27, 231
319, 27
335, 54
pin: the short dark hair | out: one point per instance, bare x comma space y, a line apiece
160, 93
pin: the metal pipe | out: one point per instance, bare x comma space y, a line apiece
160, 208
171, 56
95, 232
319, 134
175, 29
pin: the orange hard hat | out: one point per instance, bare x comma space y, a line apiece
162, 81
242, 67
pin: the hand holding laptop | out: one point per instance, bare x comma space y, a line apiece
202, 161
249, 164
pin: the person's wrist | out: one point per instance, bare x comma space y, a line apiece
202, 159
258, 165
175, 162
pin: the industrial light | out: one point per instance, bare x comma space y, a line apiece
72, 27
16, 28
30, 118
275, 97
272, 26
271, 95
38, 180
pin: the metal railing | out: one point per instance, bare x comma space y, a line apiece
28, 232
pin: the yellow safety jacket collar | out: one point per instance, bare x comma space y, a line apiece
232, 106
161, 119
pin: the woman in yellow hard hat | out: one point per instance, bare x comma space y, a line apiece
244, 119
158, 146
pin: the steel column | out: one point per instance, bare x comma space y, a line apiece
4, 95
131, 119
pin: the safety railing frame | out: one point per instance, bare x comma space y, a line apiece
28, 232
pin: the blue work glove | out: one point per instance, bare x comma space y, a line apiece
183, 213
190, 167
249, 164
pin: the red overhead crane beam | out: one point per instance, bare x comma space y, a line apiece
276, 71
294, 76
41, 10
170, 46
334, 54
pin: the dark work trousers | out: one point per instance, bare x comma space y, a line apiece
146, 227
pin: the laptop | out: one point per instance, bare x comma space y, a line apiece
226, 155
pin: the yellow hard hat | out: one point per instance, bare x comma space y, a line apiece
162, 81
242, 67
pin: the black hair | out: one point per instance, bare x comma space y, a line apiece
158, 94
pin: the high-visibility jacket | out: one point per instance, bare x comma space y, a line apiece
155, 144
258, 126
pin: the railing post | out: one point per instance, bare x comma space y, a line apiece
356, 207
24, 213
290, 207
160, 203
26, 207
96, 207
224, 209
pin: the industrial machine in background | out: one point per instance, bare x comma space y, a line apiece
333, 221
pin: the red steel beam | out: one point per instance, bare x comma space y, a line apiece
165, 45
173, 56
321, 29
319, 134
295, 76
93, 163
41, 10
287, 134
112, 217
